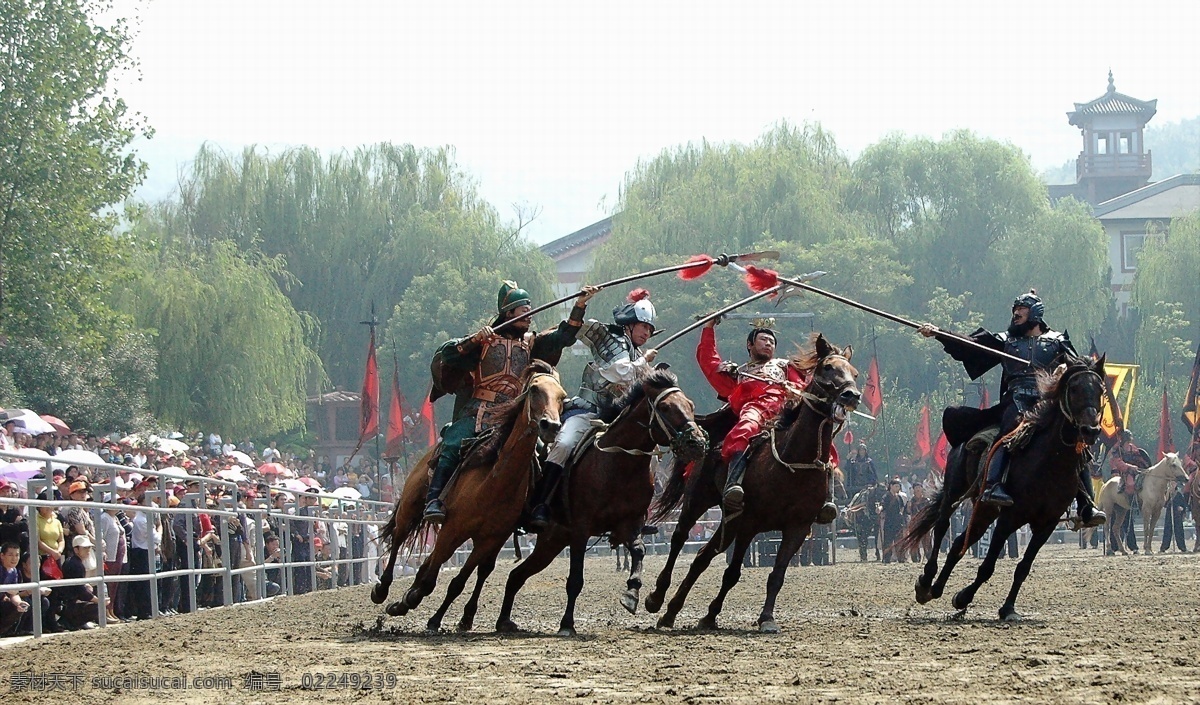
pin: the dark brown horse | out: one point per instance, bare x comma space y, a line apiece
484, 503
610, 487
786, 482
1043, 478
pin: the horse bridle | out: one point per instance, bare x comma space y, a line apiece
656, 417
525, 393
811, 400
1064, 401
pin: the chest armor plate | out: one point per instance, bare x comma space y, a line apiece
498, 376
774, 369
606, 346
1042, 352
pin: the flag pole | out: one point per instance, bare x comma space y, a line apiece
372, 325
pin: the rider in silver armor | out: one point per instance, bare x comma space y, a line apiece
1029, 338
617, 361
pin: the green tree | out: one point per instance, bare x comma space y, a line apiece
233, 355
64, 163
1166, 272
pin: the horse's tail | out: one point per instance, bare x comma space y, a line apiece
922, 523
675, 490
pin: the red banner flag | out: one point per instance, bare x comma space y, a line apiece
394, 447
941, 453
985, 400
368, 413
872, 393
428, 419
1166, 444
921, 447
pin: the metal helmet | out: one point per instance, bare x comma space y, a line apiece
636, 309
511, 296
1031, 301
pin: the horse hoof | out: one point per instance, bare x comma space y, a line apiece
667, 621
924, 594
1009, 614
397, 609
629, 601
707, 622
507, 626
961, 601
653, 603
379, 593
465, 626
768, 627
433, 627
566, 631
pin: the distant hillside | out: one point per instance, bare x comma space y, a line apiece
1174, 146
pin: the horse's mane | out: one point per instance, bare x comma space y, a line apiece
806, 356
505, 413
1050, 385
655, 378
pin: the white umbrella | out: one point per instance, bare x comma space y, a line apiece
344, 493
241, 457
294, 485
21, 471
173, 472
75, 456
233, 474
168, 445
34, 425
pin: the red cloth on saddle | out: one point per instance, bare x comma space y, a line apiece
754, 402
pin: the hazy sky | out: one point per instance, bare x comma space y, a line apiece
550, 103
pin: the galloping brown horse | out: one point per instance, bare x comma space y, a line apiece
483, 505
610, 487
786, 482
1043, 478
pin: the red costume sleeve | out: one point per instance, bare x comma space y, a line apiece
798, 378
710, 362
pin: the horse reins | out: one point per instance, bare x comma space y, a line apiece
811, 400
655, 416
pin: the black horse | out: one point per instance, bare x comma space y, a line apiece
1043, 479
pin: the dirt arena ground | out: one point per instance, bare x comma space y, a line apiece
1095, 630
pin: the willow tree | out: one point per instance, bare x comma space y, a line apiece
233, 354
355, 229
1166, 291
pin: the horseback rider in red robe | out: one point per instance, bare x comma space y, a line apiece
756, 391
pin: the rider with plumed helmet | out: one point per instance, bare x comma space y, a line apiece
1029, 338
484, 370
617, 361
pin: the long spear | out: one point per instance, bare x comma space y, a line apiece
758, 279
695, 267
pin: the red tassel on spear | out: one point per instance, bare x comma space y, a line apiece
703, 263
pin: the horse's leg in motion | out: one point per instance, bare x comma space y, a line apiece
454, 589
547, 547
924, 587
574, 585
717, 544
1149, 524
1116, 530
486, 565
793, 538
687, 519
1004, 528
733, 573
981, 518
637, 551
1008, 611
427, 574
379, 593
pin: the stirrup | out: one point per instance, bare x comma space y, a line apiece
732, 499
996, 496
435, 512
1095, 518
539, 518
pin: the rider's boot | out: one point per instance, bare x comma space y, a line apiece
1089, 516
539, 518
995, 494
435, 509
829, 511
732, 496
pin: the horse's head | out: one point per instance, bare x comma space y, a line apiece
832, 374
1171, 467
1077, 388
544, 399
672, 416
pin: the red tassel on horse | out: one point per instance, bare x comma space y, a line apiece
699, 270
